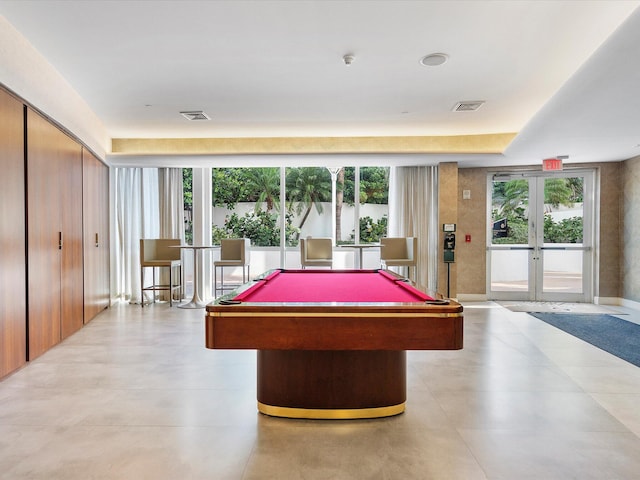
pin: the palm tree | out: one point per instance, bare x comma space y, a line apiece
558, 191
307, 187
264, 183
510, 198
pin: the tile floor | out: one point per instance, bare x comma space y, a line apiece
135, 395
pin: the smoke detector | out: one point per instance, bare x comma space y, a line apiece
195, 115
470, 106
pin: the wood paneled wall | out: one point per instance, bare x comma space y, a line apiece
50, 217
55, 269
96, 235
12, 236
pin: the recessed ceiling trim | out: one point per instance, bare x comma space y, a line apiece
486, 143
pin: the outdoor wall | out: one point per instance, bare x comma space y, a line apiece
630, 182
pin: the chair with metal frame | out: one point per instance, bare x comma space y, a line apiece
158, 253
234, 252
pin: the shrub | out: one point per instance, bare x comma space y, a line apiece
372, 231
259, 226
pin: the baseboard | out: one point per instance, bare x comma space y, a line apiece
472, 297
630, 304
607, 300
481, 297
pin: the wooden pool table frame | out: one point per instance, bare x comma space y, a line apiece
332, 359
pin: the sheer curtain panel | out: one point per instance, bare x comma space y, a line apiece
137, 216
413, 212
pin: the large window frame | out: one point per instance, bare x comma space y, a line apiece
201, 214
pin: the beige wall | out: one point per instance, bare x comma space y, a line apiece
630, 241
447, 213
609, 251
472, 220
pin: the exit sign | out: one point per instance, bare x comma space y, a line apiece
551, 164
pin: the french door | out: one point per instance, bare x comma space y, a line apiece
540, 236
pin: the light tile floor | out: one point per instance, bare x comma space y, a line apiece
135, 395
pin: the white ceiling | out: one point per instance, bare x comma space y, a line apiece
565, 75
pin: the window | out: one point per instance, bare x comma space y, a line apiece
246, 203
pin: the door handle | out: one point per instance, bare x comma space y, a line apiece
97, 243
59, 240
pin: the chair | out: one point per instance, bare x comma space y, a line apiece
234, 252
158, 253
316, 252
400, 252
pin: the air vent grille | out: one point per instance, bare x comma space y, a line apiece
195, 115
468, 106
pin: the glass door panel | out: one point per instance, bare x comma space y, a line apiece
565, 242
511, 239
541, 236
562, 272
506, 278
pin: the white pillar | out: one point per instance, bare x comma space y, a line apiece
356, 204
334, 180
283, 216
202, 224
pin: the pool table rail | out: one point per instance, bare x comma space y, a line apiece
318, 329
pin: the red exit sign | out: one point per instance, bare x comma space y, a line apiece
551, 164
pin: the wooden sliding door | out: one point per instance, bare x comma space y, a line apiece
55, 269
96, 235
13, 310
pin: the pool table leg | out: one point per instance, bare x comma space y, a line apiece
331, 384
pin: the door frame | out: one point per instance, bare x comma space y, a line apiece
536, 246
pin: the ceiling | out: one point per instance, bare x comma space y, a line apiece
563, 75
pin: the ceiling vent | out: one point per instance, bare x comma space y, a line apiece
468, 106
195, 115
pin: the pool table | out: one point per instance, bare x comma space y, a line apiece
332, 343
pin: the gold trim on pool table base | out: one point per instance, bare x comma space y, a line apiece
331, 414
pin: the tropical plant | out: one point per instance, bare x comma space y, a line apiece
568, 230
260, 227
264, 185
229, 187
372, 231
374, 185
558, 192
308, 187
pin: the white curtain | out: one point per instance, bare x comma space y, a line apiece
413, 212
171, 197
137, 216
